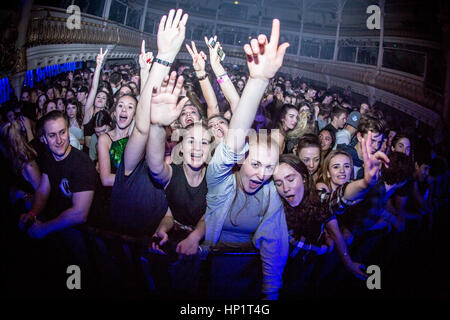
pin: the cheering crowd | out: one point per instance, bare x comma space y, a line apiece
210, 181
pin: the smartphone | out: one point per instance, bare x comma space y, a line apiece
220, 52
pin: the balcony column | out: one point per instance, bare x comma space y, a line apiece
300, 37
217, 18
356, 56
340, 8
144, 15
126, 16
106, 9
380, 45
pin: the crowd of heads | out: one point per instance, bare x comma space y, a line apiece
305, 138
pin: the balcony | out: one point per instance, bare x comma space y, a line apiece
49, 42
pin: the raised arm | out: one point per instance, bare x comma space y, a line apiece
170, 37
263, 59
199, 62
89, 107
145, 60
372, 165
229, 91
165, 110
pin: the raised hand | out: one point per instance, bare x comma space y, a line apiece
101, 56
165, 108
171, 33
213, 56
198, 58
145, 58
265, 58
372, 162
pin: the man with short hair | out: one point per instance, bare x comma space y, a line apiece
367, 123
338, 119
69, 179
346, 135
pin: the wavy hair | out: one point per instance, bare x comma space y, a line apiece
309, 215
20, 151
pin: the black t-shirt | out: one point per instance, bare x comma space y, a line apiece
188, 204
75, 173
89, 128
137, 202
330, 127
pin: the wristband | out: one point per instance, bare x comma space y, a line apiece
163, 62
223, 78
203, 77
223, 75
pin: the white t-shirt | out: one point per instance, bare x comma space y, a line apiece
342, 137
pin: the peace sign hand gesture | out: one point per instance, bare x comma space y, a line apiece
145, 58
101, 57
372, 162
265, 58
198, 58
165, 108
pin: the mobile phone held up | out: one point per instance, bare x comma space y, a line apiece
220, 52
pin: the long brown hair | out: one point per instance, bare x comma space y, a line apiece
311, 212
20, 151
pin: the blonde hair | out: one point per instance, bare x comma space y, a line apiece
304, 125
254, 140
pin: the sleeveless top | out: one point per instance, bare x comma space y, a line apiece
188, 204
116, 151
77, 132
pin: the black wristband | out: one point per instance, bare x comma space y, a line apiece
202, 77
163, 62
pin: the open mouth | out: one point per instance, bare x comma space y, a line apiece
189, 121
123, 119
289, 198
220, 133
196, 156
253, 184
